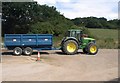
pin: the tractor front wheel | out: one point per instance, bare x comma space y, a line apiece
92, 49
70, 47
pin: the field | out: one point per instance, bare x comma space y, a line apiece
106, 38
105, 33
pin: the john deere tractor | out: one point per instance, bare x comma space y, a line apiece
74, 40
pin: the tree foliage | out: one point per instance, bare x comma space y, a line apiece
94, 22
17, 17
30, 17
27, 17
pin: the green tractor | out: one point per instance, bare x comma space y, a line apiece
74, 40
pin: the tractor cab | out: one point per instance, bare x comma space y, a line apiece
74, 33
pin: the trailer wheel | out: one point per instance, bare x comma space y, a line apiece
92, 49
17, 51
70, 47
28, 51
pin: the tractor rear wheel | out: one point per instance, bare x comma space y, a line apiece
70, 47
62, 49
92, 49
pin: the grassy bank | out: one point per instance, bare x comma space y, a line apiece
106, 38
105, 33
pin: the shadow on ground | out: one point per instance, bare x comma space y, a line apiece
35, 53
61, 53
11, 53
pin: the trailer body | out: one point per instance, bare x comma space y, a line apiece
34, 41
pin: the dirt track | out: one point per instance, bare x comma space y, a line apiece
55, 66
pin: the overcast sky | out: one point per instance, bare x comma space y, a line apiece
85, 8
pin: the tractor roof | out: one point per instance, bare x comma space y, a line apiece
74, 30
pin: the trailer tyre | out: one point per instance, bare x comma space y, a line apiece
70, 47
17, 51
28, 51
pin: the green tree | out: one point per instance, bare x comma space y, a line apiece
94, 22
17, 17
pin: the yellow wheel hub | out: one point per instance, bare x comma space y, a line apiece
71, 47
93, 49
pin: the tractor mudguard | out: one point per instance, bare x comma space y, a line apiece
69, 38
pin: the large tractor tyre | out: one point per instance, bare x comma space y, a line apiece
92, 49
17, 51
70, 47
28, 51
85, 50
62, 49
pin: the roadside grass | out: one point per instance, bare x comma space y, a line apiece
57, 41
107, 43
106, 38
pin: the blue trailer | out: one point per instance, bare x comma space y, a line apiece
26, 43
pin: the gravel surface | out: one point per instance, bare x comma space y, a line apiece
55, 66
